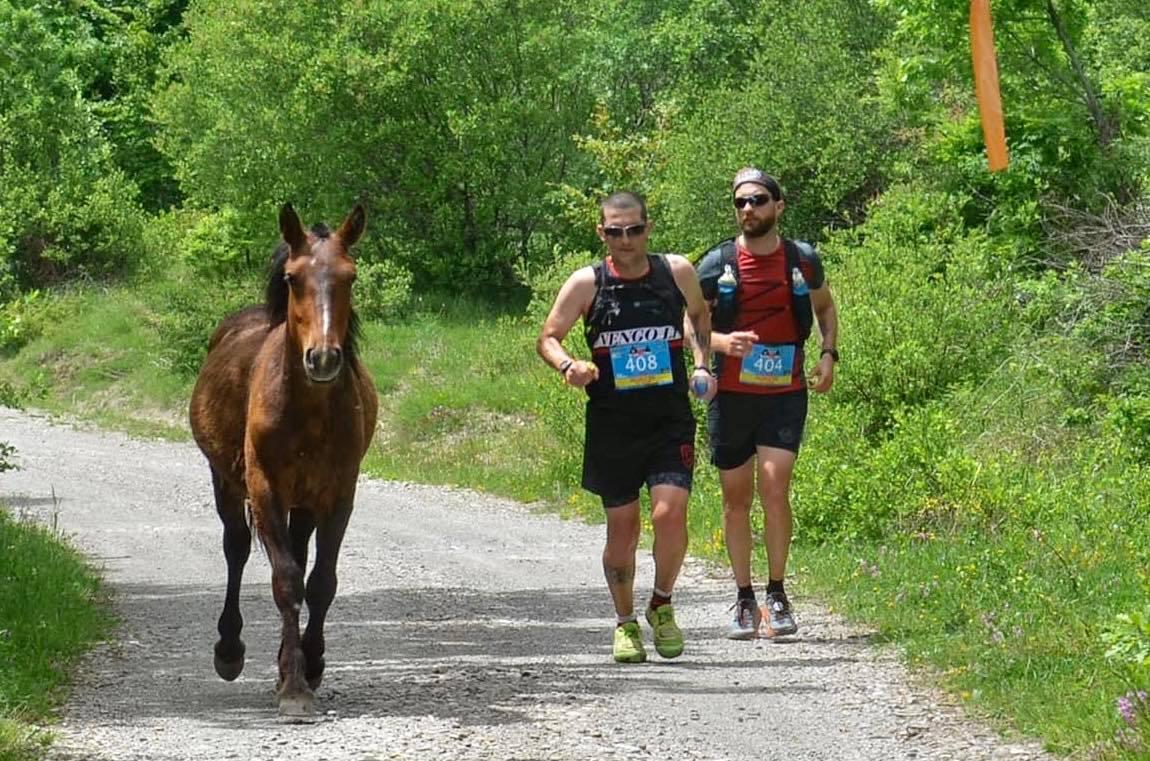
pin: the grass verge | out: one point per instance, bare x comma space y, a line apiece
50, 613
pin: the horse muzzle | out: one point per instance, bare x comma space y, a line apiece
322, 365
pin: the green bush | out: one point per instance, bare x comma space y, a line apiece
926, 305
19, 321
1128, 639
66, 210
63, 226
184, 314
215, 245
833, 493
916, 478
1115, 309
808, 116
205, 244
1129, 417
382, 290
442, 116
544, 281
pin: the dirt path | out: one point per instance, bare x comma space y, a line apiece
465, 626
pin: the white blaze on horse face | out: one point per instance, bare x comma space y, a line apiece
325, 307
323, 302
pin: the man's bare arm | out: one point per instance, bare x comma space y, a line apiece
824, 308
697, 322
573, 301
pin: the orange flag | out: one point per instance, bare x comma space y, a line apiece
986, 84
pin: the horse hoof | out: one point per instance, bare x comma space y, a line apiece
297, 707
229, 667
228, 670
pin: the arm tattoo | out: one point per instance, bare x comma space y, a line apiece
700, 341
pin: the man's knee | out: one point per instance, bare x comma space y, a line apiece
737, 504
669, 514
775, 492
738, 490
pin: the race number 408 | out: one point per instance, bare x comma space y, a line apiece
642, 363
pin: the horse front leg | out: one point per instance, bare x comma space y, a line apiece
295, 698
321, 587
301, 525
229, 649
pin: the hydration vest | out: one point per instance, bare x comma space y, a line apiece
626, 311
724, 315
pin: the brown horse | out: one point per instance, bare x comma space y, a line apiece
284, 412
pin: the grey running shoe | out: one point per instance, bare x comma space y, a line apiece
780, 622
746, 622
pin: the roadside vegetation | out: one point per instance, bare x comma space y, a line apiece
976, 486
50, 613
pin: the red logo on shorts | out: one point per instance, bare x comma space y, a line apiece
687, 454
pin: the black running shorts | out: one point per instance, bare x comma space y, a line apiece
622, 450
737, 423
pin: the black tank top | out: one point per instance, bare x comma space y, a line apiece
634, 329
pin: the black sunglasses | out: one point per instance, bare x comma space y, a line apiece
631, 231
755, 200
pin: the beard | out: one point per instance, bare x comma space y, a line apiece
757, 228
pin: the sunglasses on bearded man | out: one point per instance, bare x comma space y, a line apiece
756, 200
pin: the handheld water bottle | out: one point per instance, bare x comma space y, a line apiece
699, 385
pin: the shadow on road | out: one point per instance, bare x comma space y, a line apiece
476, 657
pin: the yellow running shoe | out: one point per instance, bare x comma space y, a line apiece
668, 636
629, 644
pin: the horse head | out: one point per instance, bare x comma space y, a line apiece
318, 271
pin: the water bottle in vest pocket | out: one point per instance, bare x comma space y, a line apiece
800, 293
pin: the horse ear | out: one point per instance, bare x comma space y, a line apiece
291, 228
352, 228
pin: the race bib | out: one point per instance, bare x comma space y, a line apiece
640, 365
768, 365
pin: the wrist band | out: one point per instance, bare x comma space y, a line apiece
565, 366
705, 369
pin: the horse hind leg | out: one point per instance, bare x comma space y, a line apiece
230, 649
321, 588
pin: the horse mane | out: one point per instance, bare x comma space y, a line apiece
276, 294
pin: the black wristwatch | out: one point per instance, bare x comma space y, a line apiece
705, 369
834, 354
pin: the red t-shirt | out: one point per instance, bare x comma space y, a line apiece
765, 308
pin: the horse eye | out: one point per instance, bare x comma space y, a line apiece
289, 278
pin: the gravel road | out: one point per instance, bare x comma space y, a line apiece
466, 627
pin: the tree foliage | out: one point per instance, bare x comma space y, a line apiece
449, 118
65, 207
1076, 94
800, 104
